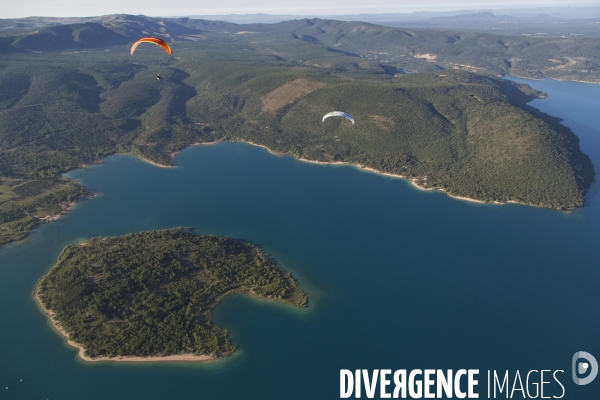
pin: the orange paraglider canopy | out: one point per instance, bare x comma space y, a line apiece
155, 40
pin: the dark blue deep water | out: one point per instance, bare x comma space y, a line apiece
398, 278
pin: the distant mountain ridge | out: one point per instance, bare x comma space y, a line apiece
573, 13
110, 30
473, 16
39, 22
487, 16
407, 49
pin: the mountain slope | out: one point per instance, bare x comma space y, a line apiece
408, 49
419, 50
471, 135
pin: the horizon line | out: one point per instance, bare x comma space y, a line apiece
318, 12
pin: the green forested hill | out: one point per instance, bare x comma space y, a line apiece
472, 135
531, 56
422, 50
152, 293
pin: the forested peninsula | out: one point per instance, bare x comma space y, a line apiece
149, 296
70, 103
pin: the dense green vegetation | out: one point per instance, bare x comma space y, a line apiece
24, 204
472, 135
464, 133
532, 55
152, 293
422, 50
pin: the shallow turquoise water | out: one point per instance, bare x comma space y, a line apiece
398, 278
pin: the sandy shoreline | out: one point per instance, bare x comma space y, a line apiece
69, 207
91, 195
552, 79
52, 218
373, 170
178, 357
153, 163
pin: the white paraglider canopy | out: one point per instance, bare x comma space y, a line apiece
339, 114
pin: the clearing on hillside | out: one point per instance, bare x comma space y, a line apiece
289, 92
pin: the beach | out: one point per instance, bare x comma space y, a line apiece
81, 353
52, 218
373, 170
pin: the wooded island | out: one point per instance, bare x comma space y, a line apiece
151, 294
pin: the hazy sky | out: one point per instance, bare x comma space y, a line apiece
82, 8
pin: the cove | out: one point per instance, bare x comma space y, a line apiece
398, 278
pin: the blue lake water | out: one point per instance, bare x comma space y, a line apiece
398, 278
